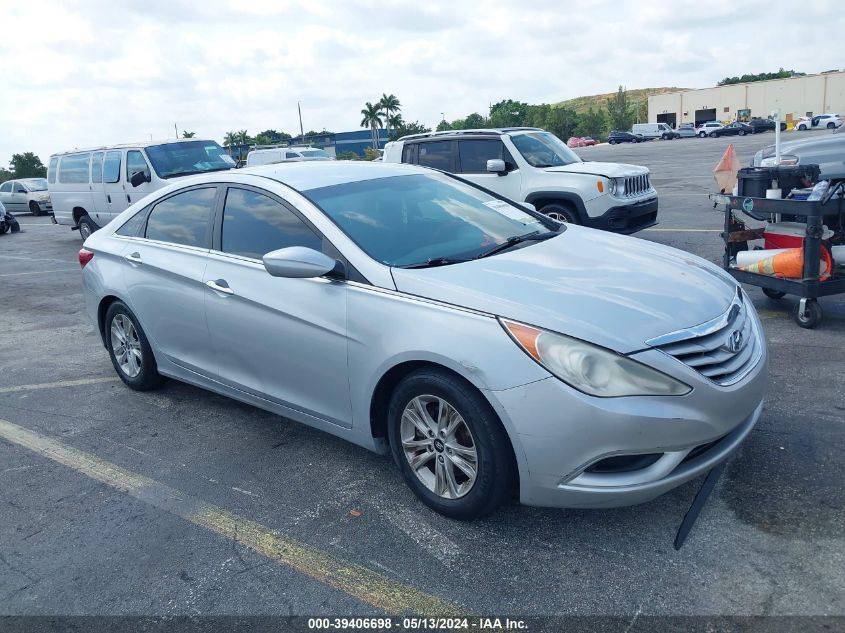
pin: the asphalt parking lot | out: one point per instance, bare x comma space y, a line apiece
180, 502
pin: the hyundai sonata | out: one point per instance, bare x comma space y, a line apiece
490, 349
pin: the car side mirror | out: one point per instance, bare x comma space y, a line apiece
139, 178
301, 262
497, 166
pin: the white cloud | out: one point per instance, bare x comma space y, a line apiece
89, 72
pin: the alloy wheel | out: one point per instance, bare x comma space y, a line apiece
126, 345
439, 447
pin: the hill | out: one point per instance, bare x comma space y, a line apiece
582, 104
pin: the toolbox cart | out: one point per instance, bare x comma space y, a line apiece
736, 235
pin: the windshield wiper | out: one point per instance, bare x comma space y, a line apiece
517, 239
435, 261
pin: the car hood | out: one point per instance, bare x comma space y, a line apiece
612, 290
608, 170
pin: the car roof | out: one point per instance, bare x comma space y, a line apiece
306, 175
493, 131
141, 144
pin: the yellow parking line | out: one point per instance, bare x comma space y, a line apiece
61, 383
371, 587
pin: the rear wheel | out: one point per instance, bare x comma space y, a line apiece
129, 349
612, 142
713, 135
561, 213
702, 134
449, 445
831, 125
86, 227
742, 132
34, 209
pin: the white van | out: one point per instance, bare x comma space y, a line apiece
283, 154
650, 130
90, 187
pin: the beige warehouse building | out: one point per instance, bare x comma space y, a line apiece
795, 97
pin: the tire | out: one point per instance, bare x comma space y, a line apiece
713, 135
137, 368
782, 127
742, 132
812, 316
479, 433
86, 227
774, 294
611, 142
802, 127
830, 126
4, 227
561, 213
34, 209
702, 134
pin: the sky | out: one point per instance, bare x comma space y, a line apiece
81, 73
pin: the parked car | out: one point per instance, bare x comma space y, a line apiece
827, 151
762, 125
534, 166
26, 194
733, 129
711, 129
686, 125
91, 187
576, 141
579, 368
283, 154
620, 136
589, 141
650, 131
681, 132
829, 121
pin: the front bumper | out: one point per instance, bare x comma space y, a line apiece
626, 219
560, 435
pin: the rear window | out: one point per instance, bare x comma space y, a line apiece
73, 168
184, 218
51, 172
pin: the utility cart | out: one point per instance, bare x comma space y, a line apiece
736, 235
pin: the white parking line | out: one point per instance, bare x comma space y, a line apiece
685, 230
40, 272
60, 383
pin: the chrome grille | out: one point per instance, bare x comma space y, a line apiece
636, 185
723, 350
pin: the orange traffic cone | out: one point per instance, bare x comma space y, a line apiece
725, 172
789, 264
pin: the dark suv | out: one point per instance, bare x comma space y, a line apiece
762, 125
618, 136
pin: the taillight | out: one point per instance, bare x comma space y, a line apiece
85, 256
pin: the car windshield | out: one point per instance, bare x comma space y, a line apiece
314, 153
542, 149
420, 218
36, 184
191, 157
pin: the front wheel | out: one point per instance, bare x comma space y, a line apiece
611, 142
742, 132
129, 349
561, 213
831, 125
449, 445
802, 127
34, 209
702, 134
713, 135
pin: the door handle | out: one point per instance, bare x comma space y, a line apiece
108, 197
135, 257
220, 285
128, 199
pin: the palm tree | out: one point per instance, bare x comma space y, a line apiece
188, 134
390, 105
230, 139
243, 137
372, 120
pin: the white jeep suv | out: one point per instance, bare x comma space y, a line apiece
711, 129
532, 165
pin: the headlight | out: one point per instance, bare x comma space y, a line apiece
592, 369
612, 186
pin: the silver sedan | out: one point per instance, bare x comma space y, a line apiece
491, 350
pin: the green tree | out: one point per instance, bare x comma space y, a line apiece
475, 121
619, 110
508, 113
561, 122
347, 156
27, 165
372, 120
592, 123
415, 127
230, 139
390, 105
443, 126
747, 78
244, 138
5, 175
271, 137
186, 134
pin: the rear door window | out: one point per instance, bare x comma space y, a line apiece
111, 167
184, 218
51, 173
97, 167
437, 154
